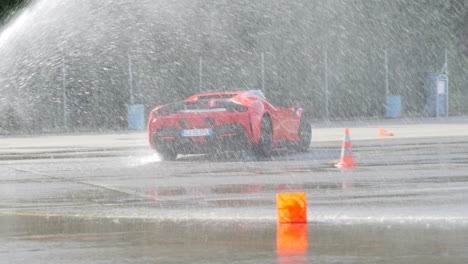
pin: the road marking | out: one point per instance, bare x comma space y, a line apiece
413, 149
171, 241
434, 169
137, 217
374, 218
318, 218
397, 151
133, 193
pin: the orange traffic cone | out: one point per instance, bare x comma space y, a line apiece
383, 132
347, 160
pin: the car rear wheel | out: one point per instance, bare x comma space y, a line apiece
164, 150
264, 146
305, 135
167, 154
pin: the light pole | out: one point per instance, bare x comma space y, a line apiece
64, 94
200, 74
327, 113
263, 72
447, 73
130, 79
386, 73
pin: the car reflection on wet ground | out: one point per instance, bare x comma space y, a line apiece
405, 203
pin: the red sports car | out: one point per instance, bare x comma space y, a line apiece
215, 122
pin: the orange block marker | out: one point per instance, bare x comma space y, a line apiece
346, 160
292, 207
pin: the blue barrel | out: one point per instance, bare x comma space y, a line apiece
136, 117
393, 106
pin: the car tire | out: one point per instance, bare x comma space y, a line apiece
165, 152
264, 146
304, 132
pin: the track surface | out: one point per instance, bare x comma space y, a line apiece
107, 199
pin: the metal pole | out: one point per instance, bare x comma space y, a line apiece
64, 94
200, 74
447, 97
437, 94
130, 79
446, 62
327, 113
386, 73
263, 73
447, 73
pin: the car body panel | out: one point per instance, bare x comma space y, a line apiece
228, 120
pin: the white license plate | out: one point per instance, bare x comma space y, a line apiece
196, 132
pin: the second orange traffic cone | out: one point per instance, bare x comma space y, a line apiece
346, 160
383, 132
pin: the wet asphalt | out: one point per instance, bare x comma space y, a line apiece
406, 202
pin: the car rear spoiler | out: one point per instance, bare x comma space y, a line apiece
200, 106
